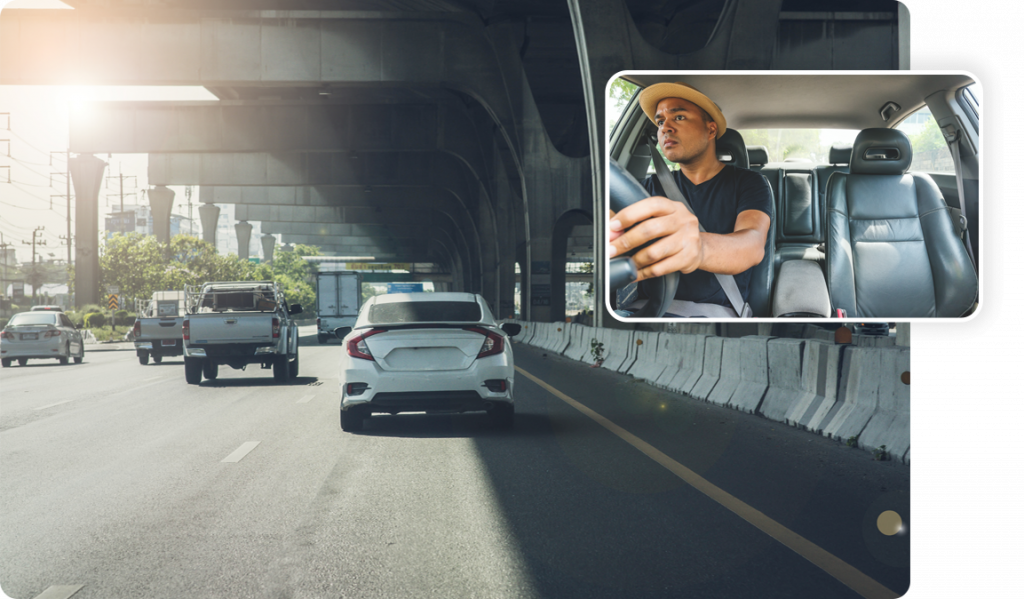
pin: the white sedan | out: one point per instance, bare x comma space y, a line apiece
40, 335
416, 352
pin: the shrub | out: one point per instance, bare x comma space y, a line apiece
3, 322
122, 317
94, 320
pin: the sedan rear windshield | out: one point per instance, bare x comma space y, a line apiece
33, 318
408, 312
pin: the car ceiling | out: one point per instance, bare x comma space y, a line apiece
818, 100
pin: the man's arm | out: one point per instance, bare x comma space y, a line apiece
681, 246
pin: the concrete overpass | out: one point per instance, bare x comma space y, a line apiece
464, 133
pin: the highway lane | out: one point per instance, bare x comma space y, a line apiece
114, 478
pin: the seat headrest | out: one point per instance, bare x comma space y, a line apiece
731, 149
881, 151
840, 153
758, 155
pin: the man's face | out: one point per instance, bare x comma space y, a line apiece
682, 133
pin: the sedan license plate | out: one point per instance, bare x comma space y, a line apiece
169, 342
29, 336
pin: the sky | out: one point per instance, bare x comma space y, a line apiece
34, 120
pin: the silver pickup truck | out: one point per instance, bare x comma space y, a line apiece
157, 330
237, 324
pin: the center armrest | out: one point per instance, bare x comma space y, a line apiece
801, 291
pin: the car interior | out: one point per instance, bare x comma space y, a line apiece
861, 228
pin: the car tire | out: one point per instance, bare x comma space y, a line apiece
293, 367
352, 420
143, 357
193, 371
78, 359
63, 360
157, 359
321, 339
6, 362
22, 361
281, 369
210, 370
503, 416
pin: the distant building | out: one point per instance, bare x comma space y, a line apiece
139, 219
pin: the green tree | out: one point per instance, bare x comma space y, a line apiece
295, 275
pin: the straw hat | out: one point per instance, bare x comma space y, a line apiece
650, 97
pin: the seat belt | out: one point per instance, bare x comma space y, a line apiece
952, 135
668, 184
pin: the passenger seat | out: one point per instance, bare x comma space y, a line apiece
758, 156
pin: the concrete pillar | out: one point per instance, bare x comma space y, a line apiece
244, 231
903, 334
87, 174
268, 242
208, 215
161, 200
539, 276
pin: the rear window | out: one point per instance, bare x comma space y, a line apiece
33, 318
405, 312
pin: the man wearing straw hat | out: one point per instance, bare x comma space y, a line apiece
733, 204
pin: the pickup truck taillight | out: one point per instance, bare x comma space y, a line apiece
493, 345
275, 328
137, 329
318, 323
184, 330
357, 347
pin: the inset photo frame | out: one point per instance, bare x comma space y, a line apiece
809, 195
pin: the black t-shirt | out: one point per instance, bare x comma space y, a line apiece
716, 203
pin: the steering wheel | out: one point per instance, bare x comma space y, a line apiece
623, 191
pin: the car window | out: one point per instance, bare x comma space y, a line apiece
33, 318
798, 145
931, 154
408, 312
66, 322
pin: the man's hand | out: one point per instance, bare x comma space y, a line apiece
679, 246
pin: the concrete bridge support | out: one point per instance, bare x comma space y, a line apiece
87, 175
208, 215
161, 200
244, 232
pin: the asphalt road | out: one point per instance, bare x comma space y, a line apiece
120, 480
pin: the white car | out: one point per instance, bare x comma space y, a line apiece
40, 335
416, 352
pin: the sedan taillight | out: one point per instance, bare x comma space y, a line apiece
275, 328
8, 336
184, 329
494, 343
51, 333
357, 347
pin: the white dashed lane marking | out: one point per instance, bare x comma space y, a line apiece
59, 591
241, 452
306, 399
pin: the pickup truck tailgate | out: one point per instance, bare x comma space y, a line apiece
231, 327
160, 328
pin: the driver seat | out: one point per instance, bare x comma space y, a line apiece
731, 149
891, 248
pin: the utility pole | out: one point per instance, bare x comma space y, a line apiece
188, 196
38, 232
67, 196
3, 256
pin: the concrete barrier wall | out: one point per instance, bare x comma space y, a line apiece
691, 363
889, 425
579, 343
712, 368
857, 398
617, 347
839, 391
646, 365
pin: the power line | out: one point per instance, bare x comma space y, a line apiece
15, 134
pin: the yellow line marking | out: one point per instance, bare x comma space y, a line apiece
861, 583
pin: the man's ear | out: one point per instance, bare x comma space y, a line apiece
713, 128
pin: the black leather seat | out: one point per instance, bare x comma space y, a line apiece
891, 249
758, 156
731, 149
839, 162
800, 210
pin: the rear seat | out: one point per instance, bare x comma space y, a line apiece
758, 156
799, 189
